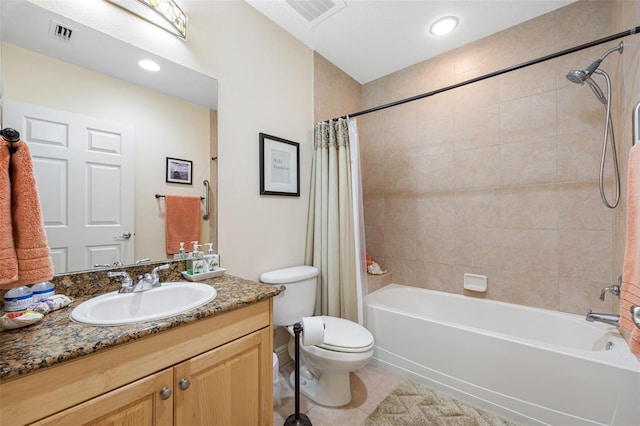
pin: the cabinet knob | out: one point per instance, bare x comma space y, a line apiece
184, 384
165, 393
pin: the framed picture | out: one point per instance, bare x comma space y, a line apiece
279, 166
179, 171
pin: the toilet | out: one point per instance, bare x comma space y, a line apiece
325, 368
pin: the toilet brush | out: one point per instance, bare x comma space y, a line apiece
297, 419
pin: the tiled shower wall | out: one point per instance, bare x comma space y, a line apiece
500, 177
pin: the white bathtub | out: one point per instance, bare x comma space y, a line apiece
532, 366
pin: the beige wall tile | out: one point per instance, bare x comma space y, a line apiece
436, 245
530, 207
586, 254
528, 162
580, 207
531, 39
400, 171
578, 296
439, 276
531, 117
476, 168
478, 247
435, 172
435, 209
477, 127
479, 208
528, 81
579, 156
516, 288
531, 251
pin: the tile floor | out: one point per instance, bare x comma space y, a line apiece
369, 386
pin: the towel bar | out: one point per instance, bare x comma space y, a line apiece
635, 315
207, 205
162, 196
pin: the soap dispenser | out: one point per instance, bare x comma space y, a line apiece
211, 259
198, 264
181, 254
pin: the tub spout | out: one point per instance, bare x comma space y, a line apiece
611, 319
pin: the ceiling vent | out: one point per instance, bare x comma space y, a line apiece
62, 32
316, 11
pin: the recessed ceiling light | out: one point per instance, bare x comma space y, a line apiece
444, 25
149, 65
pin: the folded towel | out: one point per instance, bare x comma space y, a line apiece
8, 260
182, 221
630, 292
29, 237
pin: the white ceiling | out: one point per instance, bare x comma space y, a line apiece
369, 39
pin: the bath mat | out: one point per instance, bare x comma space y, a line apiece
414, 404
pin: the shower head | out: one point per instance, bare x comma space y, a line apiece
580, 76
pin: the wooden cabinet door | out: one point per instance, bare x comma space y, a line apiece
228, 386
137, 404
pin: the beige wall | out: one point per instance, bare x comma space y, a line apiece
265, 85
159, 121
334, 93
500, 177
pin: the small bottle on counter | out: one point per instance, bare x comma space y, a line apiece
42, 291
195, 261
212, 260
18, 299
181, 254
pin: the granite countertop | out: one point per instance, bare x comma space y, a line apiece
57, 339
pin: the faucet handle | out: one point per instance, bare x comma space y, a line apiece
127, 282
613, 289
155, 270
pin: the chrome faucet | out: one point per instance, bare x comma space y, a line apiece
613, 289
127, 282
149, 281
611, 319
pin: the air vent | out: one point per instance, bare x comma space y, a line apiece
315, 11
62, 32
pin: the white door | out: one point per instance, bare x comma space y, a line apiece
84, 173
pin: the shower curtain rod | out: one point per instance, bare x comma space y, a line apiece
632, 31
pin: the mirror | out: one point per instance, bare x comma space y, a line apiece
172, 114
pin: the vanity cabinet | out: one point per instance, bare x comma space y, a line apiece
216, 371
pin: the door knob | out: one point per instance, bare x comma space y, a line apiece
165, 393
124, 236
184, 384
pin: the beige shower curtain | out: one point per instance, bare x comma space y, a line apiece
331, 232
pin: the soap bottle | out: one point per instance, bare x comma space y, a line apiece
18, 299
181, 254
197, 260
42, 291
212, 260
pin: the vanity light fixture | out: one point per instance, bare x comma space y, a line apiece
164, 13
149, 65
444, 25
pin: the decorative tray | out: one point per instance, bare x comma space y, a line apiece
199, 277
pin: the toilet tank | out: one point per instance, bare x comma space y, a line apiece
298, 298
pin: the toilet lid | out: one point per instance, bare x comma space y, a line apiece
342, 335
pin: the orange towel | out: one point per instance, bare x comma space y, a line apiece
8, 260
182, 221
29, 237
630, 294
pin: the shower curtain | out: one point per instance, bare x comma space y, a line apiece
335, 231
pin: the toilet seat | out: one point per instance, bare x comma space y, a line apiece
341, 335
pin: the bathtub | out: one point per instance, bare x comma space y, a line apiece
529, 365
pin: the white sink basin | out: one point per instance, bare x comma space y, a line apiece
127, 308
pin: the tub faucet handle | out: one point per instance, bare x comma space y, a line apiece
613, 289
